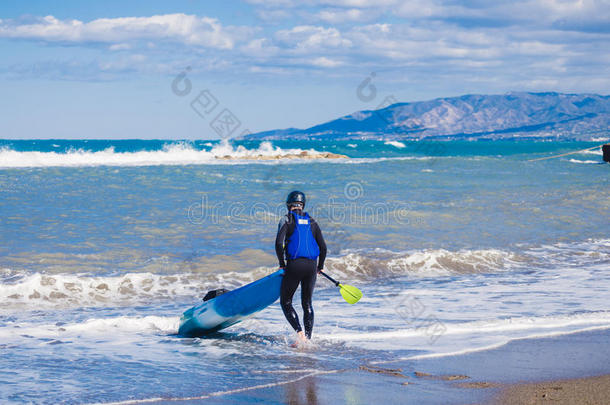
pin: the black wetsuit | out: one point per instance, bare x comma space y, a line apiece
299, 270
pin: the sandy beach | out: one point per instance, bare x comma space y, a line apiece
590, 391
566, 369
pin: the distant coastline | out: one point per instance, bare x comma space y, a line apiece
584, 117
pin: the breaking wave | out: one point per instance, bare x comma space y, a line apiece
597, 152
439, 262
171, 154
587, 162
69, 290
396, 144
20, 289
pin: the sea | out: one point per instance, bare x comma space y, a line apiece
457, 246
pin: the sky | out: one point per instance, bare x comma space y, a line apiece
170, 70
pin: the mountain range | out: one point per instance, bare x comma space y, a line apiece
512, 115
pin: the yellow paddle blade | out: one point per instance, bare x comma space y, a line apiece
350, 293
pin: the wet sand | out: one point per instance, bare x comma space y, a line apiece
580, 391
565, 369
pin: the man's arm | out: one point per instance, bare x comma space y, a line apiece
317, 234
279, 241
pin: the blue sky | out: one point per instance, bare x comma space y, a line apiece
104, 69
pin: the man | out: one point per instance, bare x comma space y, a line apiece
299, 243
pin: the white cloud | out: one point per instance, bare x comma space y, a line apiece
273, 3
323, 61
357, 3
338, 16
308, 38
122, 64
188, 29
578, 15
273, 15
473, 44
333, 3
260, 48
119, 47
420, 8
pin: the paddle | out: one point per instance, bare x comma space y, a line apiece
349, 293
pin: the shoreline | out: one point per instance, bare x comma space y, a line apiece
519, 372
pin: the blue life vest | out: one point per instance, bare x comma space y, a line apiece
302, 242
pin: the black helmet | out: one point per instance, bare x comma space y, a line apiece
294, 197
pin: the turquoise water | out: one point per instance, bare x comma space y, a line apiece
105, 243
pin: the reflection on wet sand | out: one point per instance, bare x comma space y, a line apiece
302, 392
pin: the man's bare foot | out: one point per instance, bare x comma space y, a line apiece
301, 340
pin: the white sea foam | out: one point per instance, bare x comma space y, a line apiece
37, 290
425, 263
94, 326
597, 152
587, 162
500, 343
579, 254
21, 289
174, 154
493, 326
180, 154
76, 289
445, 338
554, 289
397, 144
384, 159
155, 324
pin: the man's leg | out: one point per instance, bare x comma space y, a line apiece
307, 285
289, 285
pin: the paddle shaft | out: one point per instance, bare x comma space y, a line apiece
330, 278
349, 293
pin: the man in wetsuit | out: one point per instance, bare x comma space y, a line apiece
298, 245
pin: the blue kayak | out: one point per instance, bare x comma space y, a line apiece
231, 307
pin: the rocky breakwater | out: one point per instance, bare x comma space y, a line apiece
301, 155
